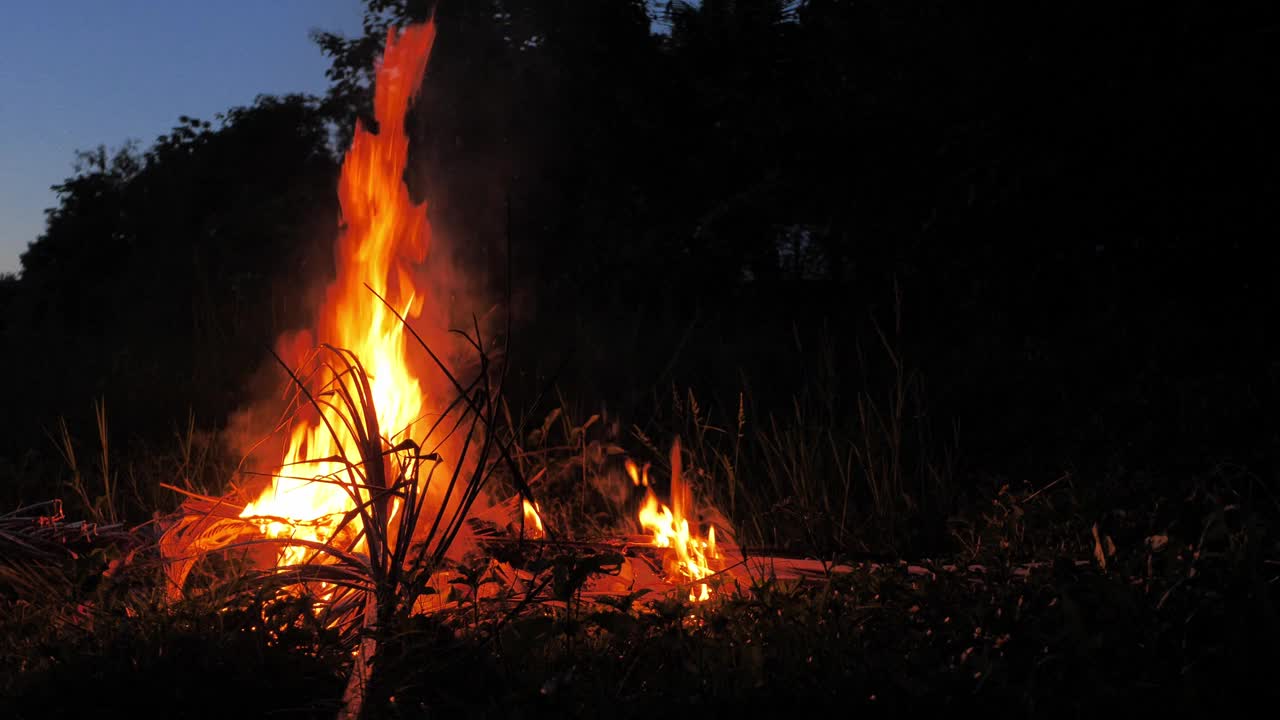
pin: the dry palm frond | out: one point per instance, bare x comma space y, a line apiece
40, 532
201, 526
37, 551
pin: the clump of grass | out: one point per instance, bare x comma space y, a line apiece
110, 489
105, 506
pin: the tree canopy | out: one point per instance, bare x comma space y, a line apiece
164, 274
1072, 205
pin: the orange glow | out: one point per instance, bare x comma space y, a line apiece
386, 236
691, 558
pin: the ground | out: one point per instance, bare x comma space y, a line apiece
1166, 605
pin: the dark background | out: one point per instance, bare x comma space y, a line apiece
1061, 214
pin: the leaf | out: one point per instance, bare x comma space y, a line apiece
551, 418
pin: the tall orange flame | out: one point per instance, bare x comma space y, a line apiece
386, 236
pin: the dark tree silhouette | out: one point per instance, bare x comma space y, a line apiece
164, 274
1074, 206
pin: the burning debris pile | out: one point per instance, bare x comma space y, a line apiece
380, 499
385, 454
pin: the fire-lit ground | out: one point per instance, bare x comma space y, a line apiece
1004, 627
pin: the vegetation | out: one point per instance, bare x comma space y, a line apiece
1050, 601
975, 301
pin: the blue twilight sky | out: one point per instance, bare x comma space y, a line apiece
78, 73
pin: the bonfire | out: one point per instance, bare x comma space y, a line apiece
388, 450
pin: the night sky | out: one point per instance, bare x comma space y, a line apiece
78, 73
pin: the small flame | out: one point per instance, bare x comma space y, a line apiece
639, 477
533, 519
693, 556
633, 472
